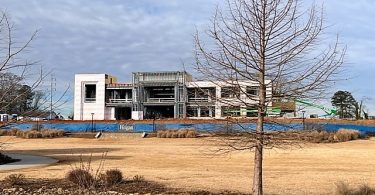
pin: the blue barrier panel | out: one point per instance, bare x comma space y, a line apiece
202, 127
267, 127
71, 127
207, 127
361, 128
143, 127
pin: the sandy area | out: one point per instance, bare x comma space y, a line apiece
187, 163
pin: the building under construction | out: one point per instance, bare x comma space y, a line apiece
160, 95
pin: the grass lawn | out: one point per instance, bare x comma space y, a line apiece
189, 164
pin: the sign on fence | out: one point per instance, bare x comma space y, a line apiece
126, 128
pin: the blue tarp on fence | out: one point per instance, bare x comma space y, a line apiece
360, 128
71, 127
115, 127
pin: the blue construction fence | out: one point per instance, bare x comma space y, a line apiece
201, 127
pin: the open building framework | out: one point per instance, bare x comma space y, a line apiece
170, 94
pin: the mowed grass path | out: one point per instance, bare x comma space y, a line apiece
189, 163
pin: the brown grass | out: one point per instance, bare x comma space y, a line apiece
188, 163
82, 135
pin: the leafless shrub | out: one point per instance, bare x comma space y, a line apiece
83, 178
84, 175
14, 179
344, 189
111, 177
3, 132
365, 190
138, 178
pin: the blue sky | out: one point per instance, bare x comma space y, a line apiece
122, 36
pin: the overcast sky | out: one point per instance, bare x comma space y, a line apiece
122, 36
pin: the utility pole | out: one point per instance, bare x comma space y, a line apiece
303, 120
53, 87
92, 122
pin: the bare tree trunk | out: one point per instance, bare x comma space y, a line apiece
258, 160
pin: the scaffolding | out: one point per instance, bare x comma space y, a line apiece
154, 91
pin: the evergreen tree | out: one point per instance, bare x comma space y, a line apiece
345, 104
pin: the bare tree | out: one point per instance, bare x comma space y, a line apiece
15, 71
360, 108
276, 46
20, 78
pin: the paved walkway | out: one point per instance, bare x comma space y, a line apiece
27, 161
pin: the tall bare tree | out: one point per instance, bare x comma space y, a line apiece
15, 71
275, 45
20, 78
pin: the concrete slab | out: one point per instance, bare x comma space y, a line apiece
27, 161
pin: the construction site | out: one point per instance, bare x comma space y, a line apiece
175, 95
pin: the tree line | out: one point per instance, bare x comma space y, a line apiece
16, 96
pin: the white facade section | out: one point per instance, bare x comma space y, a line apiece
242, 101
137, 115
94, 107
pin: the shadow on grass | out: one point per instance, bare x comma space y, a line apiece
72, 155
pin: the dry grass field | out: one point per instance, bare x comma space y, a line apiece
188, 163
